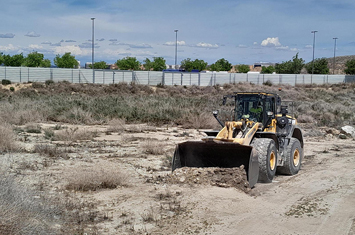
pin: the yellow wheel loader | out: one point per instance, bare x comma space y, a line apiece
260, 136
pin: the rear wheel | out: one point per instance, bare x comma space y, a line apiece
294, 155
267, 157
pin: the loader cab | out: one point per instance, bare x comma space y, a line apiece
258, 107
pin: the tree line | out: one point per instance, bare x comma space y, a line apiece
294, 66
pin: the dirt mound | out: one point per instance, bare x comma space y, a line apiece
223, 177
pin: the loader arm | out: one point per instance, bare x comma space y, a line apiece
232, 128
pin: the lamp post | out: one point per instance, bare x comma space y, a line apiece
92, 50
335, 46
176, 31
314, 44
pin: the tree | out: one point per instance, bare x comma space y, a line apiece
1, 58
148, 65
190, 65
15, 60
99, 65
66, 61
293, 66
35, 59
350, 67
320, 66
46, 63
243, 68
158, 64
128, 63
221, 65
268, 69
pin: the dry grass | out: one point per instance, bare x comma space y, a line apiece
203, 120
23, 212
74, 134
50, 151
116, 125
95, 178
153, 147
7, 138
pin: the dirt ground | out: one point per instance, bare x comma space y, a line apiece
318, 200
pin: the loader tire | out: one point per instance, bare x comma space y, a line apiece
293, 155
267, 157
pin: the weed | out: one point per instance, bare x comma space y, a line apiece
7, 138
5, 82
48, 134
153, 147
116, 125
74, 134
268, 83
22, 212
95, 178
33, 128
50, 151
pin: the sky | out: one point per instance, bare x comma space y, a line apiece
243, 32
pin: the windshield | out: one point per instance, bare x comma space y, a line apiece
249, 107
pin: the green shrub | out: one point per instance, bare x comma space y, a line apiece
49, 82
5, 82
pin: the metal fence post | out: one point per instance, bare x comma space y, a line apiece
103, 75
5, 72
20, 74
181, 78
113, 77
148, 77
28, 74
295, 79
199, 79
72, 75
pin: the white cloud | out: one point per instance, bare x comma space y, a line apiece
144, 45
179, 43
293, 49
206, 45
70, 40
242, 46
34, 47
271, 42
46, 42
9, 47
32, 34
308, 47
7, 35
282, 48
75, 50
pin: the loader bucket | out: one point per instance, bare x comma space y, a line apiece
217, 154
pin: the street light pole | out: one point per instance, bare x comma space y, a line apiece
176, 31
92, 50
314, 44
335, 46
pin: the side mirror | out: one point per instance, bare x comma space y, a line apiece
270, 114
215, 113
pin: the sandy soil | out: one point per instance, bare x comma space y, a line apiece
318, 200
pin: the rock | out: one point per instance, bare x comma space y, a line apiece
342, 136
348, 130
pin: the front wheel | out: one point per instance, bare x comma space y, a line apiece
267, 157
294, 155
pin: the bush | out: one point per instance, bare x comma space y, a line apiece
49, 82
5, 82
22, 213
95, 178
7, 138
